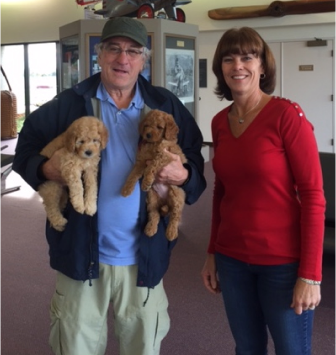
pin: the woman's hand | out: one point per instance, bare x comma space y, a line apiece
305, 296
209, 275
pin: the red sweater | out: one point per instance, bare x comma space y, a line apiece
257, 215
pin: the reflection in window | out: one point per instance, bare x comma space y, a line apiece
42, 73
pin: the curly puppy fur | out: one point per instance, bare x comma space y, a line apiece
80, 146
158, 131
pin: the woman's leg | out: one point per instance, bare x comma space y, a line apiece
291, 333
240, 293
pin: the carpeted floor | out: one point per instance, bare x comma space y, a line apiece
198, 322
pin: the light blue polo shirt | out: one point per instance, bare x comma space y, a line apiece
118, 216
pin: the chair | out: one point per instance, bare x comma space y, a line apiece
6, 161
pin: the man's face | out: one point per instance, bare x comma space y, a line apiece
119, 69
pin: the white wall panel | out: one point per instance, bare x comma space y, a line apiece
311, 86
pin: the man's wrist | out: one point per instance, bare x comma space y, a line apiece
188, 168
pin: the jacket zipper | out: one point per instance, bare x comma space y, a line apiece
91, 262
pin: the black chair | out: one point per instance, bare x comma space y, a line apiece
328, 171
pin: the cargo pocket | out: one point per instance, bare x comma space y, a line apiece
55, 325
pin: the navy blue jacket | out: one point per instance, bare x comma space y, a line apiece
74, 252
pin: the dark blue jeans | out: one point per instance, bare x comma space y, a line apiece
257, 297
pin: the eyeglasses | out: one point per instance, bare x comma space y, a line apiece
115, 50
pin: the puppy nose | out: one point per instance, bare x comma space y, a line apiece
88, 152
148, 135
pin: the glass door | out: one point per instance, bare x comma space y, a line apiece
12, 61
31, 70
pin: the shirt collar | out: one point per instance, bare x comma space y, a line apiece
137, 101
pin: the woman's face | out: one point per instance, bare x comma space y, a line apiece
242, 72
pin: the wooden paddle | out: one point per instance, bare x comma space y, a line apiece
275, 9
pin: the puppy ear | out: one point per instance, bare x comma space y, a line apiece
70, 138
141, 124
103, 132
171, 128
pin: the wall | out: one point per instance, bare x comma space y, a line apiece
39, 20
36, 20
209, 104
43, 22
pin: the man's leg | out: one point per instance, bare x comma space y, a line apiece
79, 316
141, 316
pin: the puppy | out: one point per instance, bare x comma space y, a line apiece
158, 131
80, 146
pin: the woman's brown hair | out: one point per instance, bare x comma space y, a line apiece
244, 40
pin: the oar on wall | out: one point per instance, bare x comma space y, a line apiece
275, 9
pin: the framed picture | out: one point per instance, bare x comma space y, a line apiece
148, 71
92, 66
70, 62
180, 69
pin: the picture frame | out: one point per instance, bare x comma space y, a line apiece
69, 62
92, 66
180, 69
147, 73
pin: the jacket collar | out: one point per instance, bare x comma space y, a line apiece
88, 89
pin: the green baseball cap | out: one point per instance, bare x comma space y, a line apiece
125, 27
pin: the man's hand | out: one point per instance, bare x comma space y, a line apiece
174, 173
51, 168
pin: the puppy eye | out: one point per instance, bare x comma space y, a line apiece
96, 140
160, 127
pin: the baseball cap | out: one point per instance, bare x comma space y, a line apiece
125, 27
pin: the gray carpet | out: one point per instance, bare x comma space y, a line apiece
198, 323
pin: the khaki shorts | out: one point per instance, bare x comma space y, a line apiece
79, 314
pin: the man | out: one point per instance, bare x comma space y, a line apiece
107, 259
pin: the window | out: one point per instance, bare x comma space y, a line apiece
31, 70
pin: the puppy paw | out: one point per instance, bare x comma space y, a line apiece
91, 209
126, 191
79, 209
59, 225
171, 232
78, 206
150, 229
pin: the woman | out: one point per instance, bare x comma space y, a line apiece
268, 204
